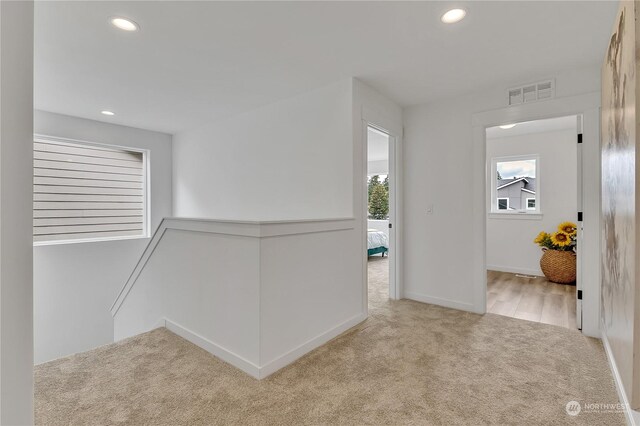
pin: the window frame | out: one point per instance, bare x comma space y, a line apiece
146, 189
493, 181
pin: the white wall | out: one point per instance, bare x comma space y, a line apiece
75, 284
301, 158
510, 246
620, 307
242, 290
16, 180
438, 144
207, 283
287, 160
299, 309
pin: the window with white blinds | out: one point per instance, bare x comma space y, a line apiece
87, 192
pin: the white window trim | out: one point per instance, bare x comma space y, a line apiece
493, 179
146, 156
517, 216
498, 203
526, 203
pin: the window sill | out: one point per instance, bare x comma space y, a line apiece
522, 216
89, 240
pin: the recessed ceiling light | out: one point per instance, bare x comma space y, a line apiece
105, 112
508, 126
453, 16
124, 24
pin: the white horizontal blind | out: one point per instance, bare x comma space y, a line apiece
82, 191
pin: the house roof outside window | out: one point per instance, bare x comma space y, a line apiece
529, 183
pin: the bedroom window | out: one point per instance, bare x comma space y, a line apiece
515, 184
87, 192
378, 198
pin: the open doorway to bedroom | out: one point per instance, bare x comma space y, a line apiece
379, 190
533, 238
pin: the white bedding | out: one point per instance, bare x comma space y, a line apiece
377, 239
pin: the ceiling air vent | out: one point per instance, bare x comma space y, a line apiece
532, 92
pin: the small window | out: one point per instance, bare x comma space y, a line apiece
531, 203
86, 192
515, 184
503, 204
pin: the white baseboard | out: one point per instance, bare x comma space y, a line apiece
632, 416
447, 303
260, 372
214, 349
525, 271
286, 359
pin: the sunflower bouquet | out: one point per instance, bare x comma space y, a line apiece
564, 239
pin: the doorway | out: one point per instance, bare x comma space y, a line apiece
533, 239
587, 106
380, 201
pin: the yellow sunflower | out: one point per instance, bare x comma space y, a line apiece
561, 239
540, 238
568, 228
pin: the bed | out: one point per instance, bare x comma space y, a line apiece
377, 242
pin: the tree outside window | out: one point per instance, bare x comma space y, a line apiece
378, 197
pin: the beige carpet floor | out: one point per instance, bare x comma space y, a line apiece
409, 363
378, 275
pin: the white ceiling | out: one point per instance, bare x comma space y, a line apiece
377, 145
538, 126
194, 62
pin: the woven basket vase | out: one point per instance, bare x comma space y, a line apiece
559, 266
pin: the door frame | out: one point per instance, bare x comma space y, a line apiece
588, 106
580, 230
395, 159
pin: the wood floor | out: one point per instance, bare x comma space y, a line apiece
534, 299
